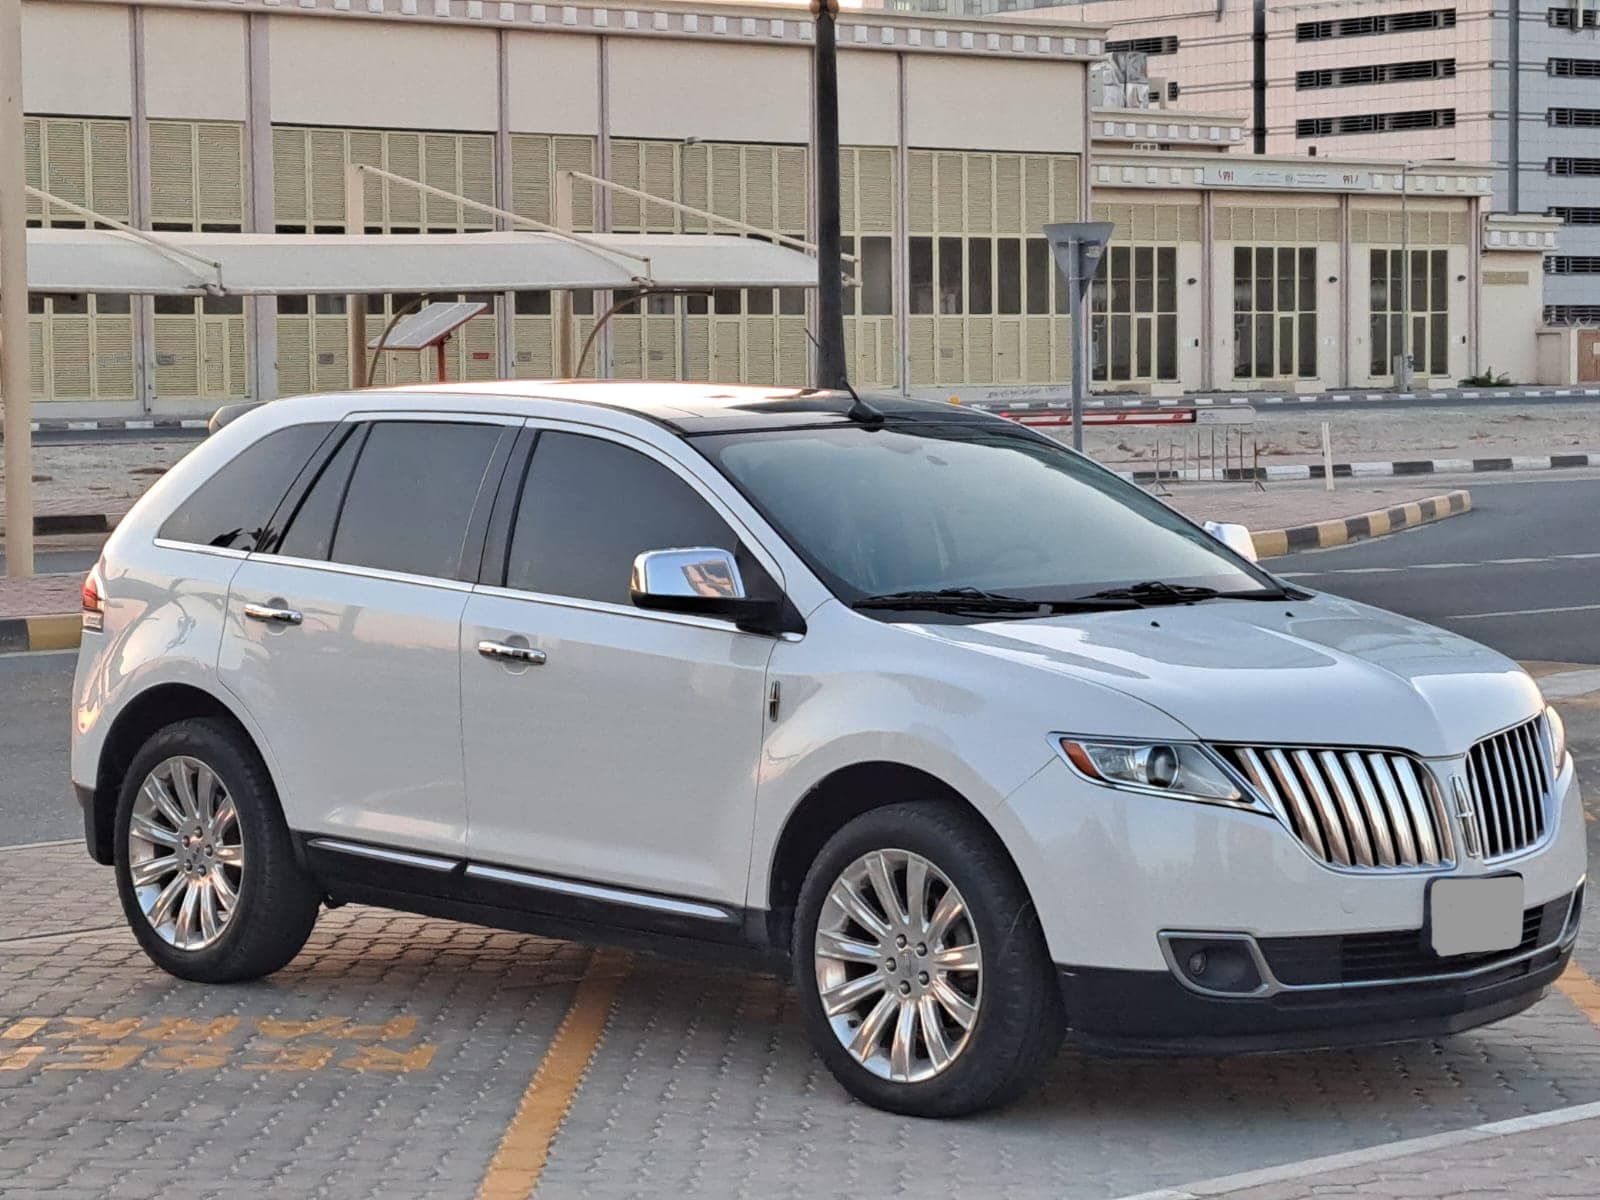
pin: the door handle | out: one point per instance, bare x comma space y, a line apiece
519, 654
266, 612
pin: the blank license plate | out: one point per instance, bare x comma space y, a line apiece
1474, 916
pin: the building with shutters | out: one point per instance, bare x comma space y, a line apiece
1517, 86
961, 140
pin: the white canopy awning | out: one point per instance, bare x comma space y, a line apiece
256, 264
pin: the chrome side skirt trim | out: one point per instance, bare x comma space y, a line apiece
593, 891
404, 858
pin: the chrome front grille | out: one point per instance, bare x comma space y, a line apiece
1509, 777
1352, 808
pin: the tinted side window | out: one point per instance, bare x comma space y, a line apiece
408, 501
235, 504
310, 530
589, 507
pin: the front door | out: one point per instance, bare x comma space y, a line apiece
341, 644
625, 753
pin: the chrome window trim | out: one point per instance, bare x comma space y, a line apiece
619, 610
404, 858
198, 548
595, 891
377, 573
1272, 986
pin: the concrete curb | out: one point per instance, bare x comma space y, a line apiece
1365, 470
1273, 543
54, 632
117, 425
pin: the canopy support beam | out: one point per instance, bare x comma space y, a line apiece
160, 245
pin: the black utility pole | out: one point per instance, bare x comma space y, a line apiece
831, 371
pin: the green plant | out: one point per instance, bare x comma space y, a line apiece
1487, 378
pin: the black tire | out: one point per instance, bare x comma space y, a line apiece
277, 901
1020, 1020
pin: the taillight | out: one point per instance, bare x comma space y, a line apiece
94, 601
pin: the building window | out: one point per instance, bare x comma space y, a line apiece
1572, 18
1574, 68
1428, 302
1393, 122
1576, 215
1316, 31
1572, 314
1369, 73
1274, 312
1134, 302
1572, 264
1574, 118
1172, 89
874, 271
1573, 166
1167, 44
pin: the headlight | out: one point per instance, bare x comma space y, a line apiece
1558, 737
1180, 769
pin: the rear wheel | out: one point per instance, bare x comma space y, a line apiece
205, 867
921, 966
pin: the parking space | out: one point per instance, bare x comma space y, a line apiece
400, 1056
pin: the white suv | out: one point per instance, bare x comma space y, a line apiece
982, 741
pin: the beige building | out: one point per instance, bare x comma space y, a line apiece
962, 140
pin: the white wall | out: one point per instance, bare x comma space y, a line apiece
194, 65
76, 59
968, 104
869, 99
553, 83
688, 89
377, 73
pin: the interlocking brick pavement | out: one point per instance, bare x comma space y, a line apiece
390, 1057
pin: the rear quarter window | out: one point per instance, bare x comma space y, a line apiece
231, 509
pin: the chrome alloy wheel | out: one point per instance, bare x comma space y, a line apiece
898, 965
185, 853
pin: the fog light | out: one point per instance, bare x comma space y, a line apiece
1217, 964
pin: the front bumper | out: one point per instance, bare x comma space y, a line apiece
1160, 1012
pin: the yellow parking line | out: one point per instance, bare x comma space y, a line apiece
1583, 991
525, 1146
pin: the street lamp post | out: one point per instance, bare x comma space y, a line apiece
16, 386
831, 371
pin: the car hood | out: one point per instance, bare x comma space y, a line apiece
1312, 672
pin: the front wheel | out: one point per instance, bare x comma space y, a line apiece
204, 863
922, 970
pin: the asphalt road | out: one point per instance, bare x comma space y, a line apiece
46, 562
1521, 572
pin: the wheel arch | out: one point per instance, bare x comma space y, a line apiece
143, 716
827, 807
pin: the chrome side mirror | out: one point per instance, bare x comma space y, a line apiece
703, 572
1235, 537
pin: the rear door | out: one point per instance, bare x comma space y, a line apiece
341, 640
626, 755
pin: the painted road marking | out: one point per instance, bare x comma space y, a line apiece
68, 1043
1523, 612
1442, 566
1297, 1171
525, 1146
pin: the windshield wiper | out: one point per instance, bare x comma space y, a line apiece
1156, 591
971, 599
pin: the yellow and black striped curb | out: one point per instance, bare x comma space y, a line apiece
1271, 543
56, 632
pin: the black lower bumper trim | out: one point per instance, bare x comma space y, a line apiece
1150, 1012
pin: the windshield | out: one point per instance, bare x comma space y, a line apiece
909, 507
